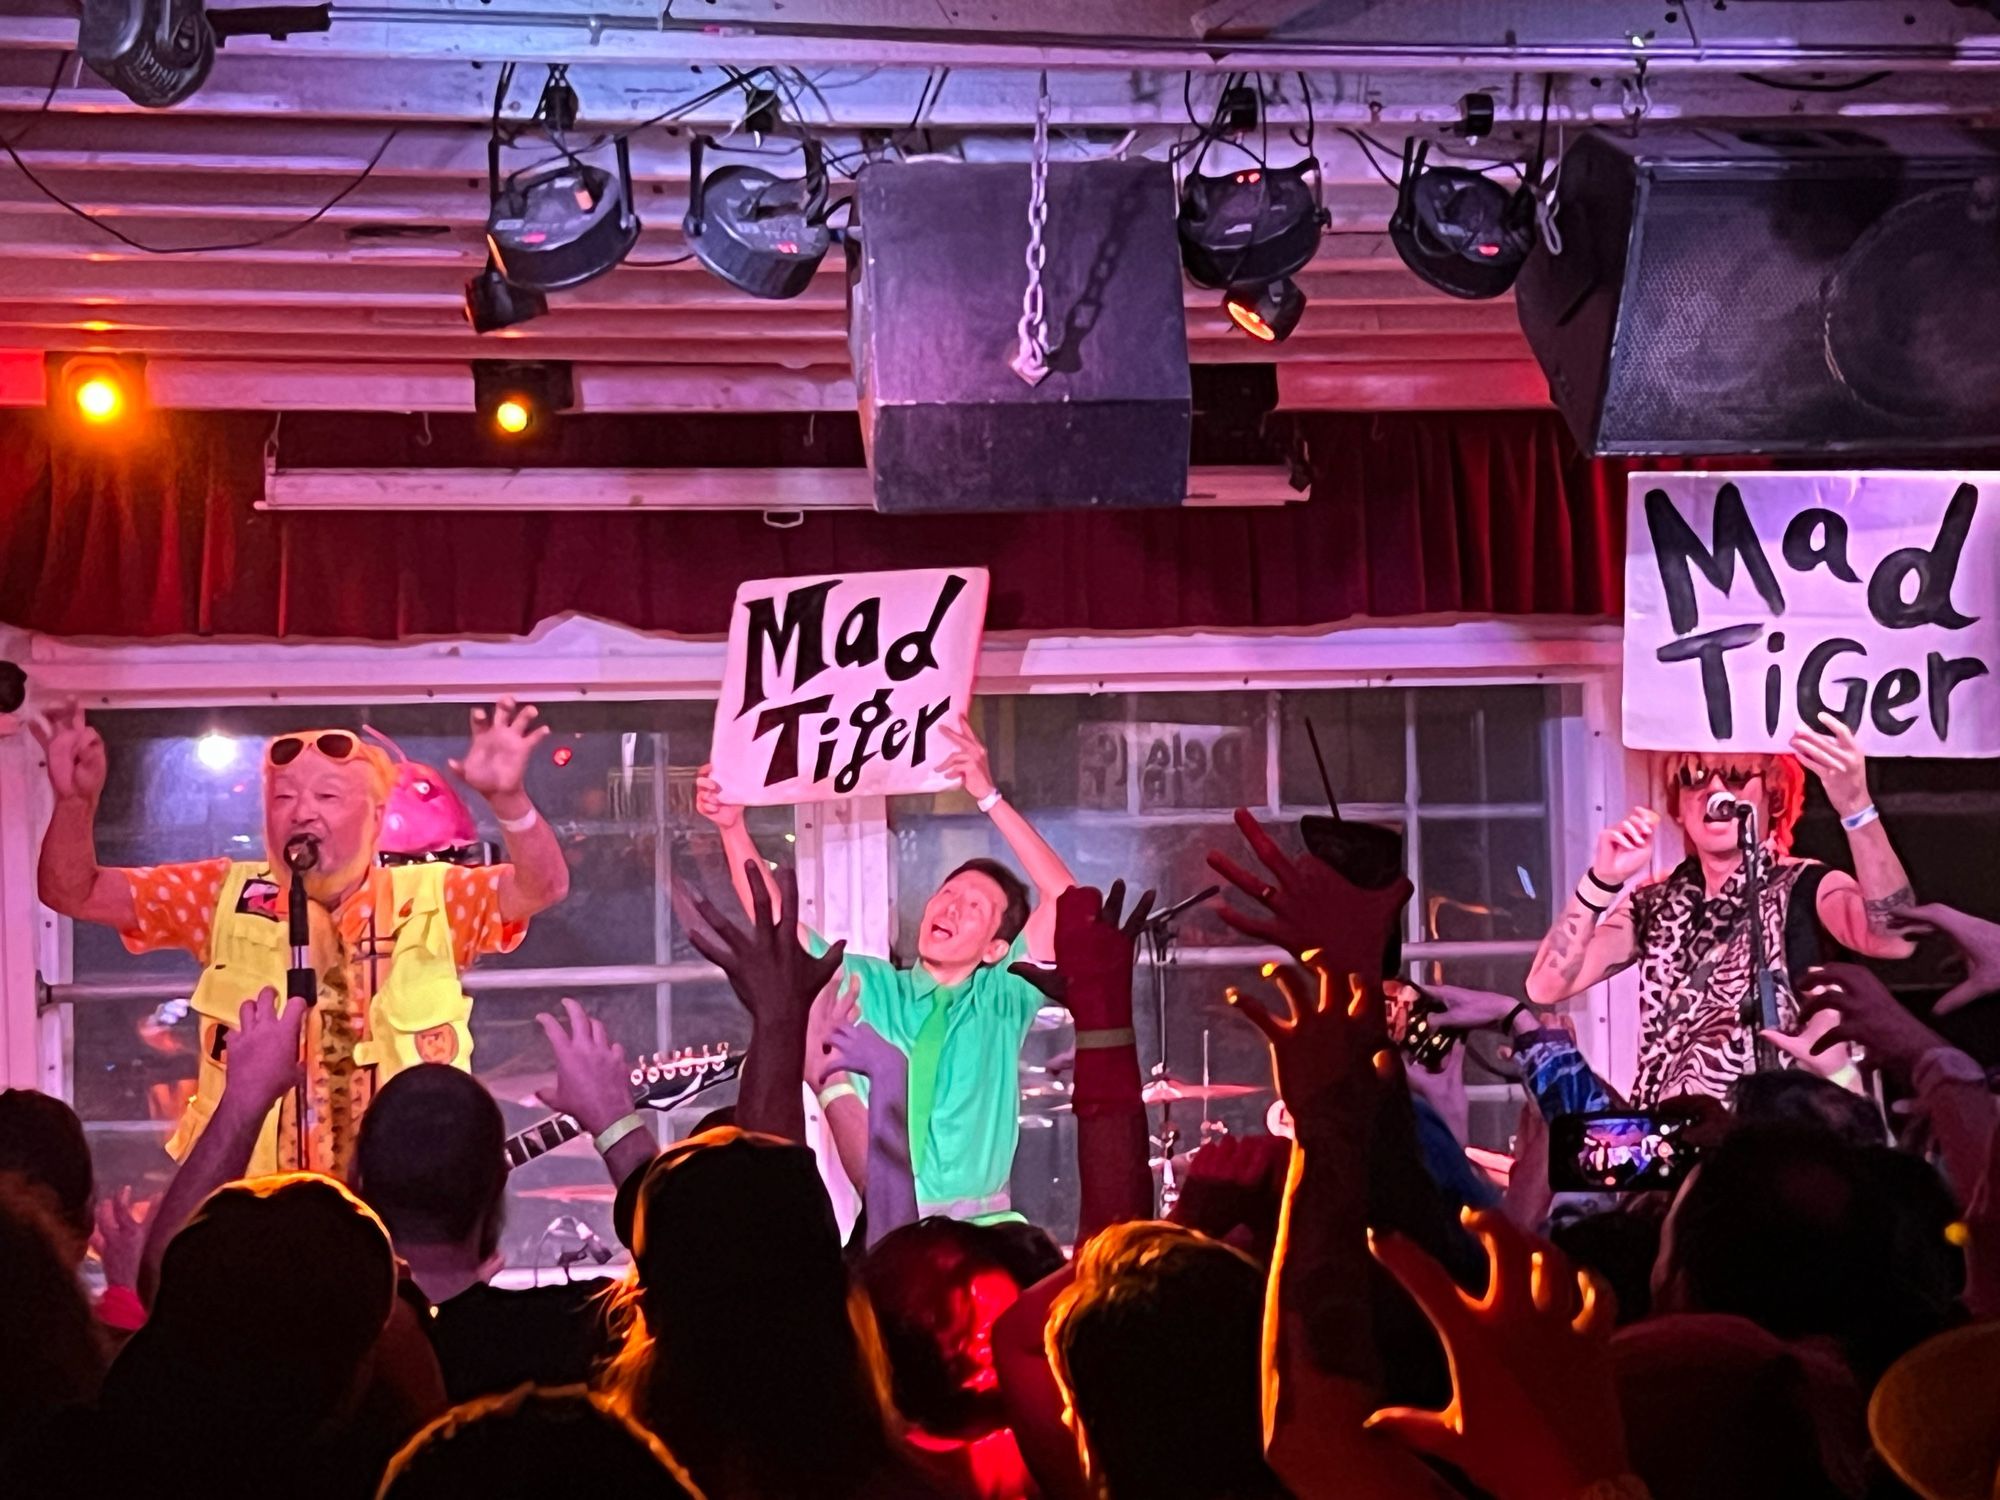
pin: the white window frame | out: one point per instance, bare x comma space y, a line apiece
845, 852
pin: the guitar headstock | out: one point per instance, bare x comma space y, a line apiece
668, 1078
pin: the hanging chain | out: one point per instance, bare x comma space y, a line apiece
1031, 359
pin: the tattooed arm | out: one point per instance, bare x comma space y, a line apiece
1593, 936
1856, 910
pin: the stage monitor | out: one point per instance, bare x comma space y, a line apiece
935, 279
1773, 289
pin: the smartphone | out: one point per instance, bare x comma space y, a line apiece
1618, 1151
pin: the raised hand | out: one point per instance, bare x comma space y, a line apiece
593, 1078
1332, 1056
1625, 848
857, 1047
837, 1005
708, 800
1534, 1408
261, 1056
496, 762
1311, 905
1094, 955
1869, 1015
75, 753
1976, 939
1804, 1048
1837, 761
119, 1239
766, 964
967, 761
1464, 1009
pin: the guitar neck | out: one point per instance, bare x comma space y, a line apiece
539, 1138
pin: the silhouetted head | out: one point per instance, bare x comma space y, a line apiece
429, 1160
533, 1445
42, 1144
937, 1288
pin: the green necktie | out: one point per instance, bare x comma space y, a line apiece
925, 1052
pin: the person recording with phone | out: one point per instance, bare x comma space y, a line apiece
1690, 931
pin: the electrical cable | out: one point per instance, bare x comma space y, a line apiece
1368, 149
1866, 80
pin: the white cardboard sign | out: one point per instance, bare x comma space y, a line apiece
1754, 601
836, 685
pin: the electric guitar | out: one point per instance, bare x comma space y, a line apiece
665, 1081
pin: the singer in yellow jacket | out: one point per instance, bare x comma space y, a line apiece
387, 943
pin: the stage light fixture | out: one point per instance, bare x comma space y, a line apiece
562, 224
155, 52
1269, 312
94, 389
492, 301
1250, 227
518, 398
762, 234
1458, 229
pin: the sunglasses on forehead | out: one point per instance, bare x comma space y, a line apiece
1698, 775
334, 744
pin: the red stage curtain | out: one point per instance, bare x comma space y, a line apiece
1410, 514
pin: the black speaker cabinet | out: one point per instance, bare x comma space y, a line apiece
934, 300
1773, 290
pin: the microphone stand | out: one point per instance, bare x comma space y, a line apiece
1759, 1010
301, 983
1160, 944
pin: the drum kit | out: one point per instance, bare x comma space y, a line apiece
1045, 1094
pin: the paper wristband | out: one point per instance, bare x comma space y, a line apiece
616, 1131
523, 823
837, 1091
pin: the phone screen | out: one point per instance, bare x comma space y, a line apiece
1617, 1151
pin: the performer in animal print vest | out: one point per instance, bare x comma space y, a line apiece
1689, 932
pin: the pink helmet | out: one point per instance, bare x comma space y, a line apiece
424, 815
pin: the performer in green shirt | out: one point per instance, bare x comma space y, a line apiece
958, 1013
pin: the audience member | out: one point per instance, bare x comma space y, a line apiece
749, 1354
50, 1353
429, 1162
43, 1148
1148, 1298
533, 1444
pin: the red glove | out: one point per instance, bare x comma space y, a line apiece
1093, 978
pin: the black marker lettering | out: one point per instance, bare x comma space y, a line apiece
1803, 552
1934, 569
1811, 703
785, 719
860, 635
1891, 693
1773, 682
912, 653
805, 620
1709, 649
1945, 673
920, 740
1676, 547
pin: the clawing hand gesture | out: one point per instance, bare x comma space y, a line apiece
1331, 1056
496, 762
1311, 904
1976, 939
1094, 955
1534, 1409
766, 964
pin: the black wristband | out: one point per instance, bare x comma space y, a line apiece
1589, 903
1507, 1021
1603, 885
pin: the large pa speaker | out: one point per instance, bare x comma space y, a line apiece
935, 278
1773, 290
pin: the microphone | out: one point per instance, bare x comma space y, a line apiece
1722, 806
301, 853
1167, 914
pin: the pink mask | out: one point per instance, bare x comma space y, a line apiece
424, 814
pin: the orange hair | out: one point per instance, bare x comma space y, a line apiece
1784, 782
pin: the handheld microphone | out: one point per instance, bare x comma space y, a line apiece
1722, 806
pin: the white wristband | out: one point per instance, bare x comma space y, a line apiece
523, 823
1854, 822
991, 800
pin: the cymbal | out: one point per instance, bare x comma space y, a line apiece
1171, 1090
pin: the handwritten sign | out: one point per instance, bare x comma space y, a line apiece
1755, 601
835, 685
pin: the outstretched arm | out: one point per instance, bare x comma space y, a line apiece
739, 850
70, 880
1046, 870
264, 1066
890, 1193
1859, 912
1592, 938
536, 876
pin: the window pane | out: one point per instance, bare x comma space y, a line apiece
1361, 734
1484, 879
1480, 744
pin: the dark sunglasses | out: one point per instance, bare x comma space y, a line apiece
335, 744
1698, 775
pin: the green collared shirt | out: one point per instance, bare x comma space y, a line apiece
975, 1117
